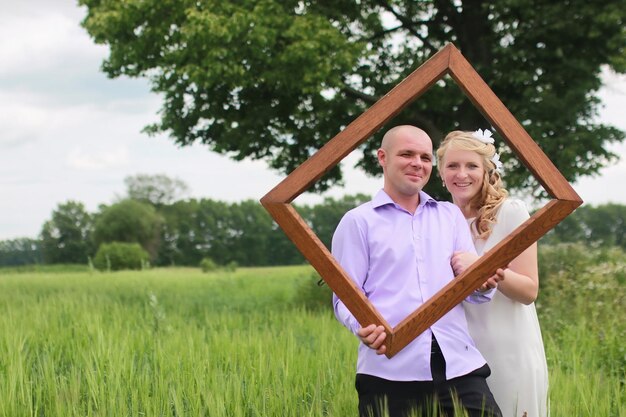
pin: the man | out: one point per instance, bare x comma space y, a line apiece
398, 248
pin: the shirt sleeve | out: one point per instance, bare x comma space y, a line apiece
514, 213
349, 247
478, 297
464, 243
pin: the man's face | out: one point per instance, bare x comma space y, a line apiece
407, 163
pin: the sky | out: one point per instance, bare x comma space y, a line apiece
70, 133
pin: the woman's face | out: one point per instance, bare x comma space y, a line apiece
463, 174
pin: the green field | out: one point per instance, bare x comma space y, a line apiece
177, 342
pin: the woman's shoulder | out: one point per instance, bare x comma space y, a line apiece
513, 210
514, 204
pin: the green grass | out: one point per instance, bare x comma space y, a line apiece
580, 385
55, 268
178, 342
170, 342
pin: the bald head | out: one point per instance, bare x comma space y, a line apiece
406, 156
394, 133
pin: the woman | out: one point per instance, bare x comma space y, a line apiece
506, 330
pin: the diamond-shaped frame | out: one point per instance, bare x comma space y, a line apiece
447, 61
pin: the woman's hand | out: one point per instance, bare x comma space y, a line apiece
492, 282
461, 261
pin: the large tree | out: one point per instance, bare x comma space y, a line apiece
157, 190
276, 79
66, 237
129, 221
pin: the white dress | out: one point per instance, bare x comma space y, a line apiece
507, 333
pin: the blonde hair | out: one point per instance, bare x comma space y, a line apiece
492, 195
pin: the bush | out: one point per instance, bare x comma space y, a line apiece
314, 294
116, 256
583, 288
231, 266
208, 265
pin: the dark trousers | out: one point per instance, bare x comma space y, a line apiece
427, 398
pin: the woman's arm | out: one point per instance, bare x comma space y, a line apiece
521, 278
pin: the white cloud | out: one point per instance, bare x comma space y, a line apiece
613, 96
36, 43
97, 160
22, 119
68, 132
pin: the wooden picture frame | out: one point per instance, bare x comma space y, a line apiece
447, 61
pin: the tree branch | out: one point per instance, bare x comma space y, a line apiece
407, 24
382, 33
470, 26
416, 118
426, 124
354, 93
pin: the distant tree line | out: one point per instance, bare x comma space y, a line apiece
176, 231
603, 225
173, 231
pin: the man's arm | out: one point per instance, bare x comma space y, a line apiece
349, 248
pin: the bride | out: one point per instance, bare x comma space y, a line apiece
506, 330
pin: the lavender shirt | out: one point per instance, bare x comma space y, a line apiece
400, 260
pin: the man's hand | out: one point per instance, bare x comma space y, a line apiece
492, 282
373, 337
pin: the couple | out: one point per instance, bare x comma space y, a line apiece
402, 247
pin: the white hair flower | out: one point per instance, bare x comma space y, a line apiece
483, 135
496, 161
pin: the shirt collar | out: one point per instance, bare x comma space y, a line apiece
382, 198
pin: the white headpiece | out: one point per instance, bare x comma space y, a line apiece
485, 136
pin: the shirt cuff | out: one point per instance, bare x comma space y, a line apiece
478, 297
346, 318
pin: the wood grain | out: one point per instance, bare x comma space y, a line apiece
447, 61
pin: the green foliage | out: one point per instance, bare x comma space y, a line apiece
129, 221
66, 237
243, 233
313, 294
604, 225
208, 265
185, 232
21, 251
275, 80
117, 256
231, 266
583, 292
